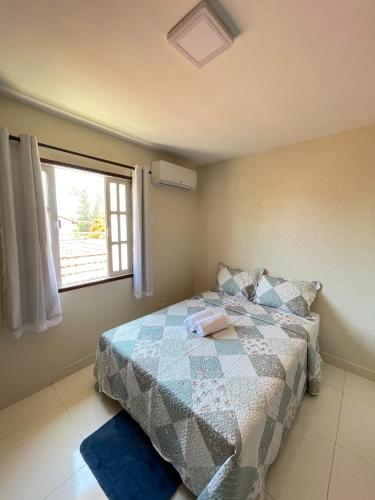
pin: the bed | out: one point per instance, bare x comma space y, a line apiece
219, 407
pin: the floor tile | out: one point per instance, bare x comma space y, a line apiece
333, 376
27, 410
90, 410
351, 477
182, 493
321, 413
301, 471
357, 428
360, 388
38, 458
80, 486
69, 387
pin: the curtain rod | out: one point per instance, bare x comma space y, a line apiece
83, 155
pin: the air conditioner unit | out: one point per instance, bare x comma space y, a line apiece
168, 174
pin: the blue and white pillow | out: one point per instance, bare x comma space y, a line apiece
238, 282
287, 295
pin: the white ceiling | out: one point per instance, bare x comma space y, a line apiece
298, 69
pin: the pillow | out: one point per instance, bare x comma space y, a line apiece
287, 295
238, 282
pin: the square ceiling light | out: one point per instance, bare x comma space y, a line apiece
201, 35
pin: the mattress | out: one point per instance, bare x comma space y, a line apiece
218, 408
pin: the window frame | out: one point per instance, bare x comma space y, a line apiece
51, 207
111, 242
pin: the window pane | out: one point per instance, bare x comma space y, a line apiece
114, 227
115, 258
82, 250
122, 196
80, 198
113, 196
123, 229
124, 256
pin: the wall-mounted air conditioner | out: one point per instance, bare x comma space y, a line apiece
169, 174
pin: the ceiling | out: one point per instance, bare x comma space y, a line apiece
298, 69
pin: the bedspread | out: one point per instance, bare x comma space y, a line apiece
217, 407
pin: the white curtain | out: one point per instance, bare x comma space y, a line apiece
142, 270
30, 300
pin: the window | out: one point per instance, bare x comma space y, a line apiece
89, 215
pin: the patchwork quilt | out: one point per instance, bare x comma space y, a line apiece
217, 407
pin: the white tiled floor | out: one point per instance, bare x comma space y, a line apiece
329, 453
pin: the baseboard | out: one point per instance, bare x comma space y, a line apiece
43, 382
349, 366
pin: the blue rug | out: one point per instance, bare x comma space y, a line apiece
125, 463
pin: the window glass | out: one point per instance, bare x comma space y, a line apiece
124, 256
122, 198
113, 196
123, 233
86, 205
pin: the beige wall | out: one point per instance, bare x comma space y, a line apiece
305, 211
36, 359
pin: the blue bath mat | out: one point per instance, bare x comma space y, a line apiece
125, 463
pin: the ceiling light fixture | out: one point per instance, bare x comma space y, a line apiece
201, 35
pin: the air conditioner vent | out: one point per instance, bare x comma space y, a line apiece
169, 174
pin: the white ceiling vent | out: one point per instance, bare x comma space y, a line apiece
201, 35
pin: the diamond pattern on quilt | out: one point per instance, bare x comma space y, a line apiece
268, 365
167, 434
274, 445
280, 346
173, 349
131, 334
272, 332
266, 438
174, 332
236, 366
217, 407
151, 332
248, 331
181, 427
194, 309
284, 402
210, 396
220, 432
274, 392
236, 387
226, 347
242, 320
196, 346
146, 348
118, 358
196, 454
116, 384
205, 367
256, 346
228, 333
181, 408
162, 416
154, 320
174, 320
145, 371
179, 310
166, 373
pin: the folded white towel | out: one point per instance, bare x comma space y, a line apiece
191, 321
212, 324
